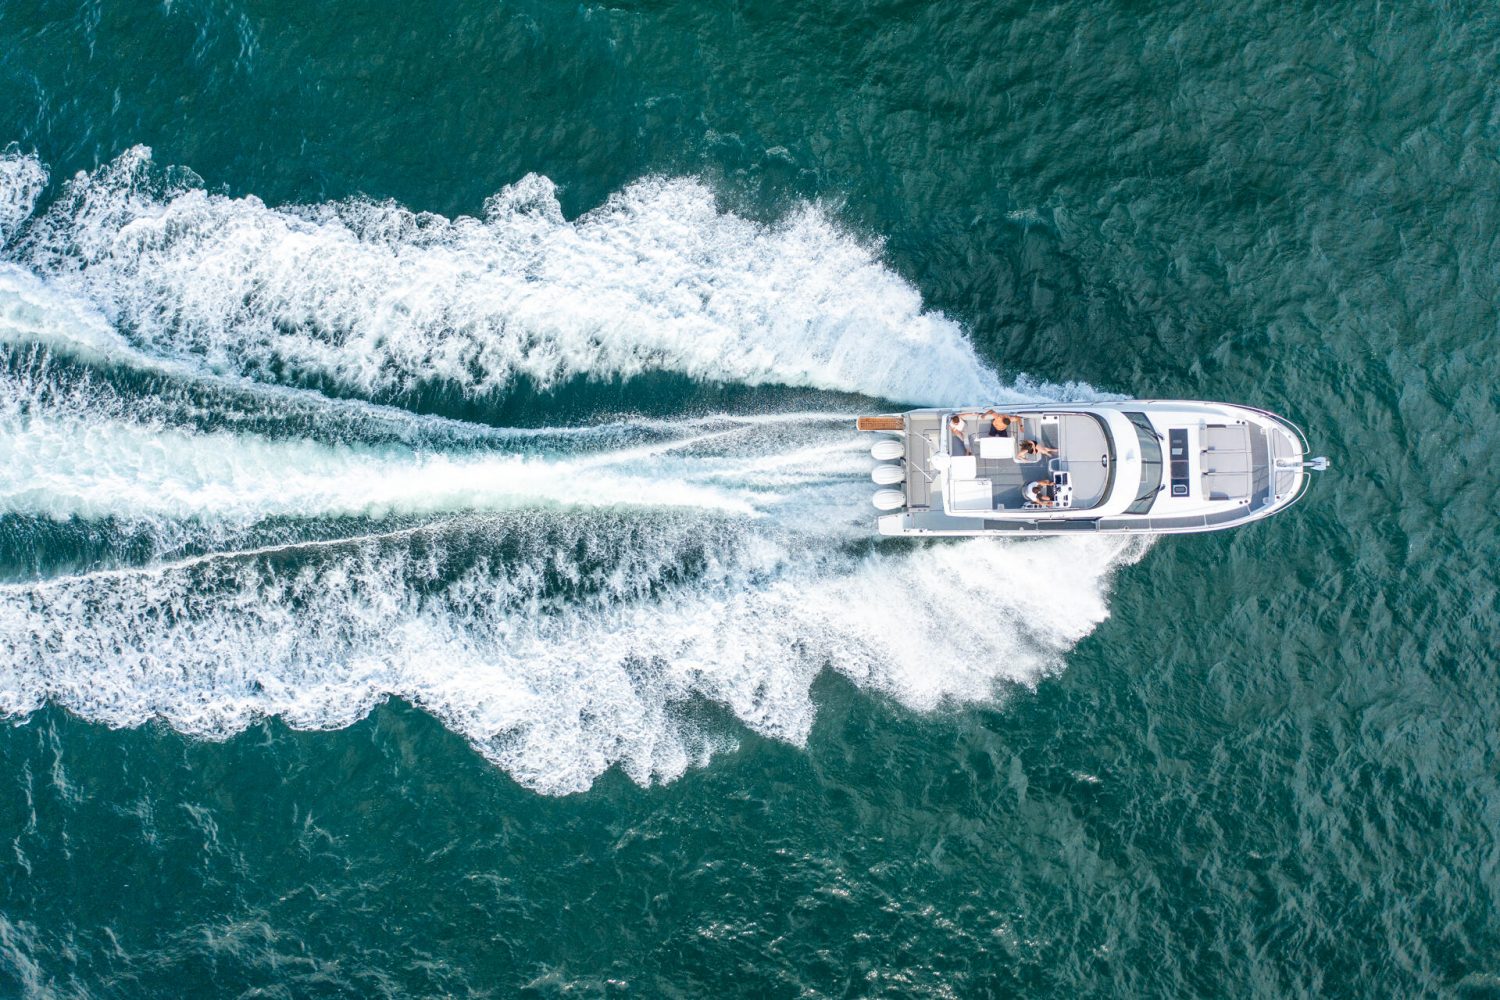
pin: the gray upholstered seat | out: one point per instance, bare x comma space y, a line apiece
1226, 462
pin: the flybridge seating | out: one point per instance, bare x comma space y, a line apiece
986, 471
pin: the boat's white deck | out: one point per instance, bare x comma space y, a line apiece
1082, 452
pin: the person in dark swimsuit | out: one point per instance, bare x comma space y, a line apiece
1003, 424
1032, 451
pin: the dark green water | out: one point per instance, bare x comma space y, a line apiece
346, 656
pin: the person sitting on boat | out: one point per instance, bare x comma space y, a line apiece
958, 429
1002, 424
1032, 451
1042, 492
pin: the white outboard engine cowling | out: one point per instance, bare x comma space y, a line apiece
888, 475
889, 499
887, 450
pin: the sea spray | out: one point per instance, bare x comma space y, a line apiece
22, 179
374, 297
555, 692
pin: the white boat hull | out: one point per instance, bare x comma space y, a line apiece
1134, 467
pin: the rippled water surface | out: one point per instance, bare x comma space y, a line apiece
435, 558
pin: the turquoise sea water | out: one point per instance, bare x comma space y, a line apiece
434, 560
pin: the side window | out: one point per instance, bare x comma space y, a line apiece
1150, 443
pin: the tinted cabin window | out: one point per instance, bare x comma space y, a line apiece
1150, 464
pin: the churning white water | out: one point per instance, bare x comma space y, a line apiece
560, 596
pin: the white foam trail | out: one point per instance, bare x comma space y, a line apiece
98, 470
63, 455
555, 697
376, 297
33, 311
722, 558
22, 179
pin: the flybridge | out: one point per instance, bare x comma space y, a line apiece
1092, 467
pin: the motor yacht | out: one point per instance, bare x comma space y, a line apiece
1151, 466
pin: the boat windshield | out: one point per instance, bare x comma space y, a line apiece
1150, 443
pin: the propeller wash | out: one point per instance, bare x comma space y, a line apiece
217, 504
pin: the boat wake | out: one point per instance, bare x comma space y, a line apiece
374, 298
227, 544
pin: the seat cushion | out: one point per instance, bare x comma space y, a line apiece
963, 467
971, 494
997, 447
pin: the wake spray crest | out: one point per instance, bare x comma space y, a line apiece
375, 297
554, 693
